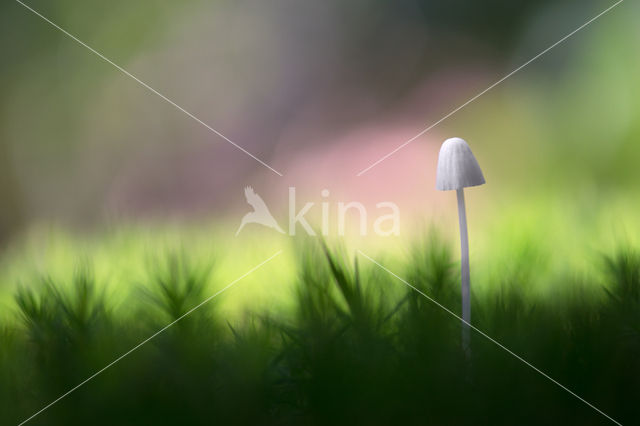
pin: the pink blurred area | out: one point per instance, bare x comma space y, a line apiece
314, 158
335, 166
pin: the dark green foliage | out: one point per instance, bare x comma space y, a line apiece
360, 347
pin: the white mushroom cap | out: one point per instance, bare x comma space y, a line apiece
457, 167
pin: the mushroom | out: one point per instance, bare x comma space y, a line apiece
458, 169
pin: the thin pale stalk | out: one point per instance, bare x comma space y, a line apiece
464, 272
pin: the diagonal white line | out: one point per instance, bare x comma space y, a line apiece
518, 357
150, 337
151, 89
363, 171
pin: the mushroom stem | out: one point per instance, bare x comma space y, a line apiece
464, 272
458, 169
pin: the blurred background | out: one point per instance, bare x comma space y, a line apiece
319, 91
118, 211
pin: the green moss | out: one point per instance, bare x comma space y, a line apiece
357, 346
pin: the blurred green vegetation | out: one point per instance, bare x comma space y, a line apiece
356, 346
